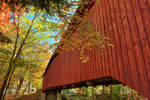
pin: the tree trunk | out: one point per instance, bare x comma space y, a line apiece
5, 83
25, 89
7, 86
9, 72
19, 86
29, 87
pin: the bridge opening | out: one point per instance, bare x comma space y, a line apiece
102, 92
106, 88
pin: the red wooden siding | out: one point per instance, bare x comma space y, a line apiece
127, 24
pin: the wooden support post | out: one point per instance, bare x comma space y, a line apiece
92, 93
89, 84
51, 95
43, 96
103, 91
59, 95
73, 85
64, 87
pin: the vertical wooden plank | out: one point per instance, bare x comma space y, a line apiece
96, 14
90, 54
74, 68
117, 42
71, 67
108, 52
104, 33
96, 54
61, 69
145, 11
86, 69
63, 73
113, 30
111, 36
130, 50
83, 71
123, 56
102, 70
143, 36
124, 44
79, 68
67, 68
136, 48
93, 62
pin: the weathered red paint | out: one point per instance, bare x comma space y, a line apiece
127, 24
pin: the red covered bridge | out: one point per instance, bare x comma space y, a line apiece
127, 24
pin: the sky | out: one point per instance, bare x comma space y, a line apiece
54, 19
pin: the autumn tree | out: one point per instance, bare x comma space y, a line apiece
26, 26
20, 44
31, 68
4, 18
5, 23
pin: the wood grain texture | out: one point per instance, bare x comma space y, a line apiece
127, 24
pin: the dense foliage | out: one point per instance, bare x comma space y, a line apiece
112, 92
